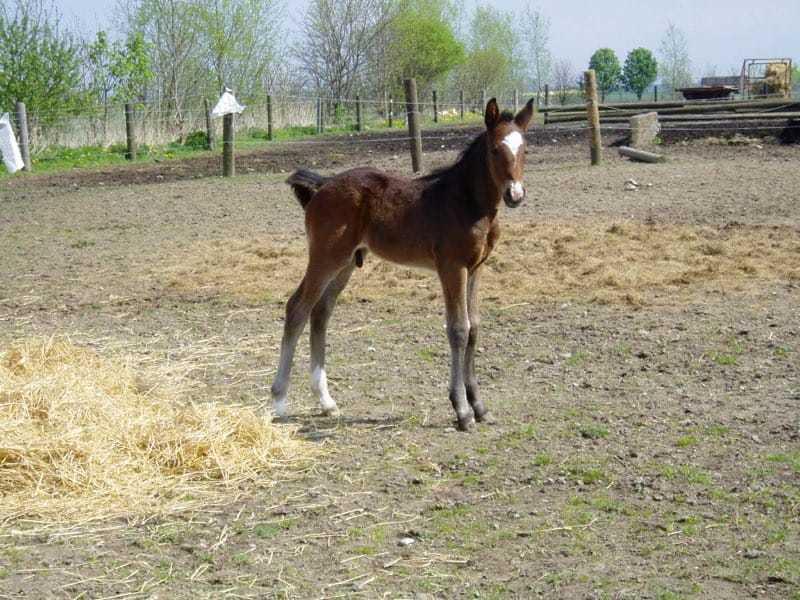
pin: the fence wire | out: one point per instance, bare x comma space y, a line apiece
293, 115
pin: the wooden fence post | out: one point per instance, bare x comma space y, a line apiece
435, 108
209, 126
391, 111
24, 136
461, 101
129, 133
546, 95
413, 124
319, 115
655, 93
593, 110
359, 121
269, 117
228, 165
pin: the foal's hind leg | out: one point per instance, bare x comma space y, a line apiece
470, 379
319, 325
298, 309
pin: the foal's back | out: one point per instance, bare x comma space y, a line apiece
368, 208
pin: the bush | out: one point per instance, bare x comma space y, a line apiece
257, 133
196, 140
121, 148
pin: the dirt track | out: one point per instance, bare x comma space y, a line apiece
648, 443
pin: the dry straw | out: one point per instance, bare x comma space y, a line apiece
83, 438
628, 263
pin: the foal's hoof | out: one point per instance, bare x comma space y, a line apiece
280, 409
332, 411
486, 418
466, 423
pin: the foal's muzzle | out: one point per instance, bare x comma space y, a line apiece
514, 195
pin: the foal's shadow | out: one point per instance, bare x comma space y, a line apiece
319, 427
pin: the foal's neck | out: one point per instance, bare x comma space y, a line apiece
481, 187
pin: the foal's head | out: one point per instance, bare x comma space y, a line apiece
506, 148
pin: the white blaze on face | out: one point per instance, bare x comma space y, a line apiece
517, 191
513, 140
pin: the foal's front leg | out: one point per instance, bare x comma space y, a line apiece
471, 380
454, 285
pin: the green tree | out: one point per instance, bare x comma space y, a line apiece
422, 43
130, 68
606, 64
98, 63
640, 71
39, 62
491, 62
120, 70
239, 41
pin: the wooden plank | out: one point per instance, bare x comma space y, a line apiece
648, 106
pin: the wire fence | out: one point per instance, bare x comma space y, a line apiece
293, 116
159, 124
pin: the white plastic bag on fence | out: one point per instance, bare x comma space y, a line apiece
8, 146
227, 104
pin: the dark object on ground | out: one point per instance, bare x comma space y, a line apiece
641, 155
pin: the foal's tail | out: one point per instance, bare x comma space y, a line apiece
305, 184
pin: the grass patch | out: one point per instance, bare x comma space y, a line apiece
593, 431
524, 434
542, 459
687, 473
723, 360
576, 359
59, 158
718, 431
588, 474
452, 520
781, 352
728, 356
270, 530
686, 441
791, 459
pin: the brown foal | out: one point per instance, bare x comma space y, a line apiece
446, 221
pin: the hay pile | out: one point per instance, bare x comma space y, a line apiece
82, 438
776, 81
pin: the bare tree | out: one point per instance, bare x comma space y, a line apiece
563, 78
338, 36
239, 41
535, 32
674, 63
171, 32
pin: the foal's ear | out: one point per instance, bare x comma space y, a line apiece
492, 116
524, 116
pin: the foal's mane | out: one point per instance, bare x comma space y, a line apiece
465, 164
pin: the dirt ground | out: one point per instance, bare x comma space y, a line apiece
640, 351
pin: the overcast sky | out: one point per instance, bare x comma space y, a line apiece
721, 33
